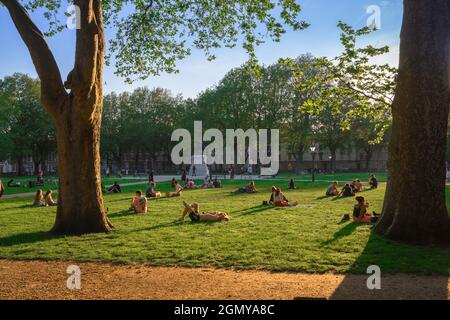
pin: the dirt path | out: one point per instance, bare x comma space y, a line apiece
47, 280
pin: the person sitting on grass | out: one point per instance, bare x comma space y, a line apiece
190, 184
177, 192
332, 189
115, 188
347, 191
373, 182
39, 199
193, 211
139, 203
2, 189
291, 185
353, 186
217, 183
206, 183
358, 185
49, 202
360, 214
250, 188
278, 199
151, 192
173, 182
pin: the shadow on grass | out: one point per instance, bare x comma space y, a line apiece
123, 213
26, 238
253, 210
344, 232
424, 272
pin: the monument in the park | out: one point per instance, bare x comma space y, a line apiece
199, 168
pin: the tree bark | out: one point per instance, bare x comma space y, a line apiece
77, 116
414, 209
80, 201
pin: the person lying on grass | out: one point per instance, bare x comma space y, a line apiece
139, 203
250, 188
12, 184
151, 192
278, 199
360, 214
333, 190
193, 211
177, 192
39, 199
49, 202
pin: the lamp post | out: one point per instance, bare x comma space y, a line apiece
313, 149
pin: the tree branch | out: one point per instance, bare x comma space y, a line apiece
52, 88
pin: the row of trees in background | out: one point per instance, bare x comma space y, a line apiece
279, 96
25, 128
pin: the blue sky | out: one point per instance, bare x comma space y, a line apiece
197, 74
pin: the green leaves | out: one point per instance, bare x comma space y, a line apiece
350, 87
151, 36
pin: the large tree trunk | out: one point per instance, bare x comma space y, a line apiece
77, 115
80, 202
414, 210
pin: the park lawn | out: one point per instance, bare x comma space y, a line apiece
350, 176
51, 183
309, 238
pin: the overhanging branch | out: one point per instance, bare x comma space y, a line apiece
52, 89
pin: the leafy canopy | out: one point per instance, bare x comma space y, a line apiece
351, 84
152, 35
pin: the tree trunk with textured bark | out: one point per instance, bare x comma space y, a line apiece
76, 108
414, 209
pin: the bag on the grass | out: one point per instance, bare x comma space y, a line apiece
346, 217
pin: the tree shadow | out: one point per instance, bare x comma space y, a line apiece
407, 272
341, 198
253, 210
160, 226
27, 238
122, 213
344, 232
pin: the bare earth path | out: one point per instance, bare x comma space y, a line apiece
47, 280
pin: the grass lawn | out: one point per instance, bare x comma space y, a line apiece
309, 238
51, 183
363, 176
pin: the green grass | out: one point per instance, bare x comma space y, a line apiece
309, 238
363, 176
50, 183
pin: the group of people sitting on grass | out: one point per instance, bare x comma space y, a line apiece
350, 189
42, 200
208, 183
